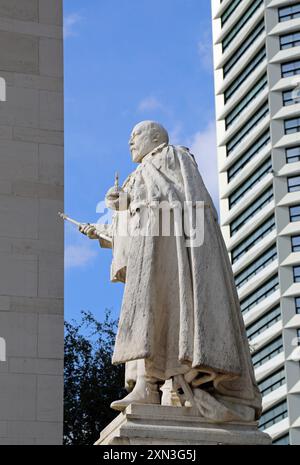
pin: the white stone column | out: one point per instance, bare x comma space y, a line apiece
31, 237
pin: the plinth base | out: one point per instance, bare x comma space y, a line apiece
164, 425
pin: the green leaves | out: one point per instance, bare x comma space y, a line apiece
91, 381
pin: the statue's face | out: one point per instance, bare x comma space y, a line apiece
145, 137
140, 143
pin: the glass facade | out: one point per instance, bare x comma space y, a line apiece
282, 441
295, 213
252, 122
263, 291
252, 239
229, 10
295, 243
297, 304
256, 266
259, 86
246, 186
264, 322
291, 125
265, 198
293, 183
287, 13
250, 153
244, 46
291, 68
288, 98
238, 26
292, 154
296, 274
273, 415
273, 382
267, 352
289, 40
244, 74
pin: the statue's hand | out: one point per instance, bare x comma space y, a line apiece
117, 199
88, 230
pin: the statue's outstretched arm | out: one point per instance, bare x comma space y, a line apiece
102, 232
105, 235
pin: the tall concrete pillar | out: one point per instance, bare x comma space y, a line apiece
31, 236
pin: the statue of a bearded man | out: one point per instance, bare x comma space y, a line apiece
180, 318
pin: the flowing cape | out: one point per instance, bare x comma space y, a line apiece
180, 309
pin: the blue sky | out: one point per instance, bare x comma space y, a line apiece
127, 61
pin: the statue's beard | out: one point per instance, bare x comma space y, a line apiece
135, 155
138, 155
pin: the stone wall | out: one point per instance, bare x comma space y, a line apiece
31, 236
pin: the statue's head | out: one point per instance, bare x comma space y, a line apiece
145, 137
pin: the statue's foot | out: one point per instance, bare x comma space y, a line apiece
143, 393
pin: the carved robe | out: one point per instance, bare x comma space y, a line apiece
180, 309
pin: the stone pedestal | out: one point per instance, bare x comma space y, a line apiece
164, 425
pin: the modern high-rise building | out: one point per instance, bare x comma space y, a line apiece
257, 95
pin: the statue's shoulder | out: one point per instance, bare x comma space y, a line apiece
180, 149
129, 181
184, 151
183, 148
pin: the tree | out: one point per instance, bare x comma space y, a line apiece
91, 381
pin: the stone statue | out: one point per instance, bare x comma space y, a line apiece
180, 322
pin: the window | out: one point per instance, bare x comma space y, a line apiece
237, 27
260, 294
293, 183
264, 323
290, 69
295, 213
292, 154
249, 97
273, 382
254, 149
228, 12
298, 336
297, 304
273, 415
289, 40
289, 12
296, 273
267, 352
244, 46
248, 127
250, 211
289, 98
243, 75
282, 441
291, 125
256, 266
295, 243
259, 174
253, 239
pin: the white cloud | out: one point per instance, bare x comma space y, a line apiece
150, 104
175, 134
203, 146
79, 255
70, 22
205, 51
79, 250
